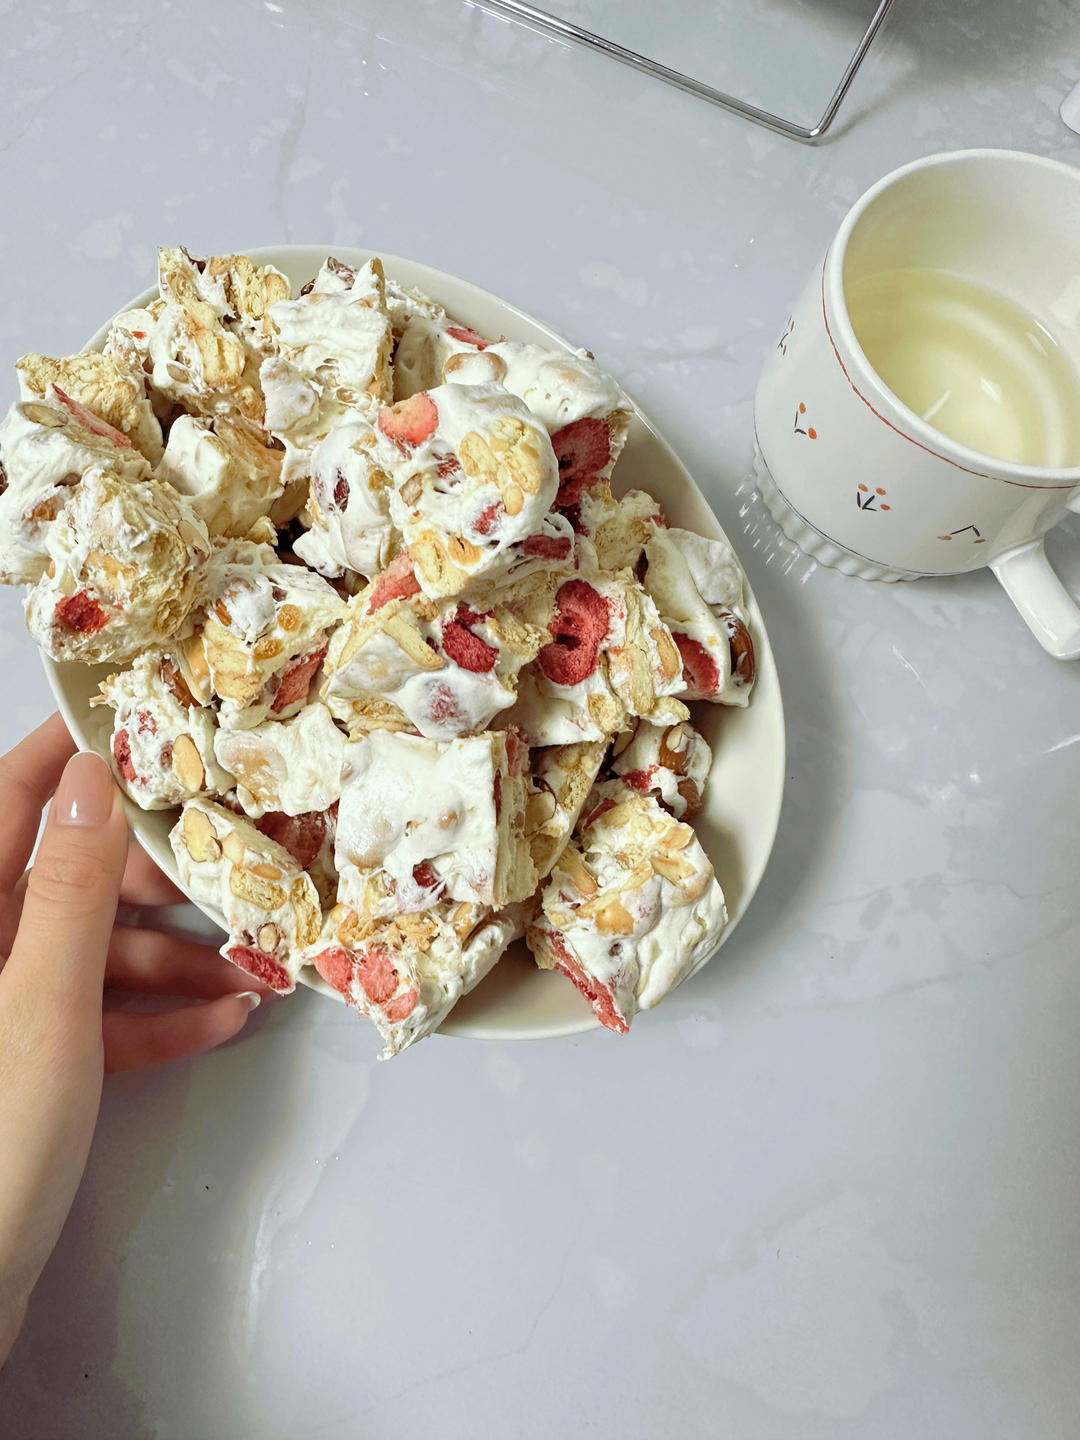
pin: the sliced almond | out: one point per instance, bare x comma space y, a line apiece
670, 867
234, 848
266, 870
674, 747
200, 840
411, 490
539, 809
667, 651
573, 865
613, 918
187, 764
44, 415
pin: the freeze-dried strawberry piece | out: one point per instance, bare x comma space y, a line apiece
410, 422
594, 814
466, 336
700, 670
301, 835
376, 974
426, 878
121, 749
465, 648
517, 752
599, 997
496, 795
488, 518
581, 620
296, 680
443, 705
341, 491
89, 421
548, 547
582, 449
402, 1006
81, 613
264, 967
446, 465
146, 723
642, 780
336, 967
397, 582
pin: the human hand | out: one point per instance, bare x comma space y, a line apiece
63, 949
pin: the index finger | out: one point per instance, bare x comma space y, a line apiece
28, 776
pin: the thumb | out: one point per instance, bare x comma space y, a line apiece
71, 894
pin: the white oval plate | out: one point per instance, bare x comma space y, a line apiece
737, 825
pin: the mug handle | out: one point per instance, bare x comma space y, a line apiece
1049, 611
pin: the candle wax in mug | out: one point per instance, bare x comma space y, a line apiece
971, 363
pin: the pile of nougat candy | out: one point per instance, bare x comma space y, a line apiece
376, 624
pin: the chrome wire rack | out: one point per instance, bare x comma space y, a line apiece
807, 134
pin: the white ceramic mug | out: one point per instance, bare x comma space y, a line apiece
854, 476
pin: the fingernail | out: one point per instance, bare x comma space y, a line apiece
250, 998
85, 793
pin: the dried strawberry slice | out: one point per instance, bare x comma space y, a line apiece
81, 613
402, 1006
594, 814
397, 582
548, 547
700, 670
464, 648
582, 448
296, 680
517, 752
121, 749
488, 519
301, 835
89, 421
376, 973
642, 780
264, 967
410, 422
337, 968
581, 620
341, 491
465, 336
599, 996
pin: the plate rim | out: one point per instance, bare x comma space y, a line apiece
473, 1029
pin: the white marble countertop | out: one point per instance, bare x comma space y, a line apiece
830, 1189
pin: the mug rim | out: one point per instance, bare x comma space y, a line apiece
842, 335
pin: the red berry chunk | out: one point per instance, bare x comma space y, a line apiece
581, 620
411, 421
397, 582
517, 752
426, 878
446, 465
296, 681
341, 491
465, 648
599, 997
488, 519
376, 973
264, 967
642, 780
336, 968
605, 805
89, 421
548, 547
700, 670
465, 336
121, 749
401, 1006
582, 449
301, 835
443, 705
81, 613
